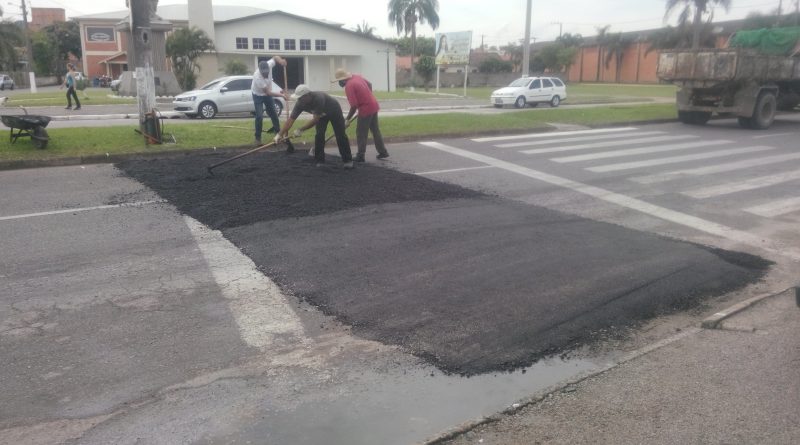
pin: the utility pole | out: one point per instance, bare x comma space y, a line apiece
560, 25
29, 48
526, 44
388, 81
141, 12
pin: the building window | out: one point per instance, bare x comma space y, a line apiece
305, 44
275, 44
241, 43
258, 43
289, 44
320, 45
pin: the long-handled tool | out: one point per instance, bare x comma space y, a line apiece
327, 139
249, 152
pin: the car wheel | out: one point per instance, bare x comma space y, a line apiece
520, 102
498, 106
555, 101
2, 86
207, 110
12, 87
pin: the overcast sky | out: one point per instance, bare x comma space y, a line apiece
497, 22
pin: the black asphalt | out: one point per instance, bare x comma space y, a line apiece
472, 283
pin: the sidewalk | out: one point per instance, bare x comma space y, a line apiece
738, 383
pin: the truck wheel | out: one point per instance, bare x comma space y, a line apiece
764, 113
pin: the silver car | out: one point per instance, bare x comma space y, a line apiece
6, 82
531, 91
231, 94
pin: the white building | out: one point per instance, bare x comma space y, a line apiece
313, 48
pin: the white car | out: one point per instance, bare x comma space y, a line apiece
6, 82
531, 91
229, 94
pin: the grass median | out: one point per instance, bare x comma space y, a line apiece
121, 140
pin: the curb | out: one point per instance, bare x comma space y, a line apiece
88, 117
708, 323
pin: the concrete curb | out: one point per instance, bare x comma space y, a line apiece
708, 323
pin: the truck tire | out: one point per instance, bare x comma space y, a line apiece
764, 113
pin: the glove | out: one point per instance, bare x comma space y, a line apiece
297, 132
277, 138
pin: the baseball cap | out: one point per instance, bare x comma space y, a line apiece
300, 91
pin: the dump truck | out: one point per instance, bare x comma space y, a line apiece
750, 82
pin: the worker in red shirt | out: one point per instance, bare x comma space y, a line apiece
359, 95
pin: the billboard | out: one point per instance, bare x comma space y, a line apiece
452, 48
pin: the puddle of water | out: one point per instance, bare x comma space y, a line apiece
411, 406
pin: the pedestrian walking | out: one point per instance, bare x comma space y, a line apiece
263, 96
324, 109
69, 81
362, 101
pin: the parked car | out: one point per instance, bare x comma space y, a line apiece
531, 91
229, 94
6, 82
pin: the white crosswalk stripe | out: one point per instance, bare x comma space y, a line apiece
740, 186
718, 168
776, 208
677, 159
549, 135
638, 151
635, 141
577, 139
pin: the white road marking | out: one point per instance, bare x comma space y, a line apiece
598, 137
776, 208
638, 151
453, 170
773, 135
741, 186
677, 159
257, 304
683, 219
82, 209
719, 168
547, 135
635, 141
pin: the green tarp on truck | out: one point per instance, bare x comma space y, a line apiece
771, 41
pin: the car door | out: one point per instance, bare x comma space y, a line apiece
534, 91
547, 90
238, 97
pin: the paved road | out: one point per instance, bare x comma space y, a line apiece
127, 317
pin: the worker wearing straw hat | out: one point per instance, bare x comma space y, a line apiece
359, 95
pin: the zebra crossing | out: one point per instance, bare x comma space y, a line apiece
651, 158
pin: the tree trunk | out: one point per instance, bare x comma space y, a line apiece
697, 25
413, 51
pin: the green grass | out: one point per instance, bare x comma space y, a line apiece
82, 142
89, 96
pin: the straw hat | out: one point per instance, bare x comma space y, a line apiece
300, 91
341, 74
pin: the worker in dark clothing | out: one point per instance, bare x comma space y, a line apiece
324, 109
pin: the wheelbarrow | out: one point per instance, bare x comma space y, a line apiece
27, 125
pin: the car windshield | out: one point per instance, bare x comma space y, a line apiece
520, 82
210, 85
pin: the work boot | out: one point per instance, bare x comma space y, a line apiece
382, 155
348, 165
77, 108
68, 107
289, 147
257, 142
359, 158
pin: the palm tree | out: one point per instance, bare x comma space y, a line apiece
615, 45
695, 8
184, 47
365, 30
405, 14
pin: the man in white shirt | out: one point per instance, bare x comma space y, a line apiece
263, 95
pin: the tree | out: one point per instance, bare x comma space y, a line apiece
495, 65
405, 14
365, 30
515, 51
184, 47
696, 9
570, 40
64, 39
424, 46
10, 38
426, 67
235, 67
615, 46
44, 54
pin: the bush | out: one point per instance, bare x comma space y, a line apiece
235, 67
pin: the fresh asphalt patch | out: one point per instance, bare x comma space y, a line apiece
473, 283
